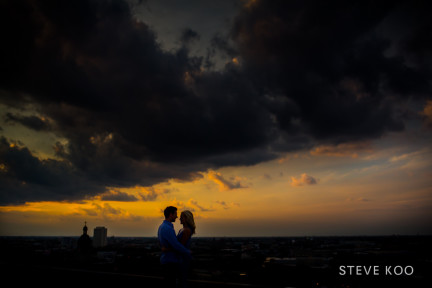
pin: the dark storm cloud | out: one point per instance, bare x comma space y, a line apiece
330, 60
133, 114
32, 122
189, 35
26, 178
118, 196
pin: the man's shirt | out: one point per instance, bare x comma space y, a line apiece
168, 239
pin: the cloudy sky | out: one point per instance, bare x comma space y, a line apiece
264, 118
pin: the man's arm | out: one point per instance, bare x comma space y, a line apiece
172, 240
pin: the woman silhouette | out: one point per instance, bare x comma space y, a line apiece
184, 236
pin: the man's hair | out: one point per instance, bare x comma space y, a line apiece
169, 210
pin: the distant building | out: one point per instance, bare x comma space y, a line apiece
100, 237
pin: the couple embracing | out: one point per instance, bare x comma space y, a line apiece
176, 256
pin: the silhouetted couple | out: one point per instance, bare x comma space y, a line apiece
176, 256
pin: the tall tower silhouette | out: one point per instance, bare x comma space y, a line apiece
84, 242
100, 237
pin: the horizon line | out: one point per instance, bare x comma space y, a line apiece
227, 236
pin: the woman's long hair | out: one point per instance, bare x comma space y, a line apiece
188, 220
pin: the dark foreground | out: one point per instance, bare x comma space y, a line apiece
392, 261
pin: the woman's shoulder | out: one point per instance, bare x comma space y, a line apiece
187, 231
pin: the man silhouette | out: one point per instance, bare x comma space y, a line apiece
171, 256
